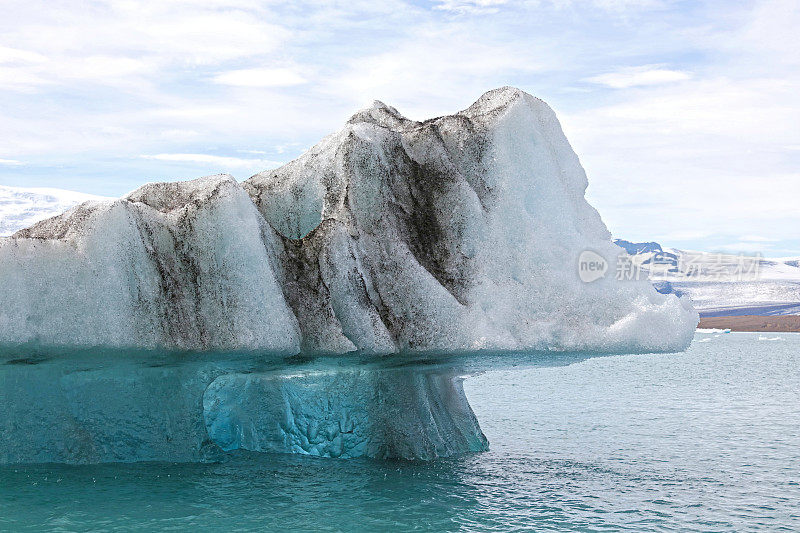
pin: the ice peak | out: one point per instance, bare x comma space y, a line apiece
168, 196
377, 104
379, 114
497, 100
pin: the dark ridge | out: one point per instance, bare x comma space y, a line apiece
304, 287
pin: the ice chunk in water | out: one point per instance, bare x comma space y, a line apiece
459, 233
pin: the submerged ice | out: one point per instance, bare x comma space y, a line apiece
123, 407
456, 234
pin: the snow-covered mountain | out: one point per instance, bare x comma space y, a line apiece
718, 284
21, 207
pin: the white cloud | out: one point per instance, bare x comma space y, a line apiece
638, 77
621, 5
435, 69
493, 6
119, 42
188, 33
13, 55
11, 162
20, 78
756, 238
215, 160
470, 6
100, 67
746, 247
27, 71
703, 142
260, 77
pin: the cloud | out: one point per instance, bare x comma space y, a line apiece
638, 77
436, 69
746, 247
493, 6
123, 42
13, 55
215, 160
470, 6
684, 113
260, 77
11, 162
756, 238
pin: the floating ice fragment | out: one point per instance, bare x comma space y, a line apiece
458, 233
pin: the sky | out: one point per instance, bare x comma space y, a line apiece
685, 114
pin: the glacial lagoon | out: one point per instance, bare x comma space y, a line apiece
704, 440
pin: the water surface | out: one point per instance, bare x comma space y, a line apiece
706, 440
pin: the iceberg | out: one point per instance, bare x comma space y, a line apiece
459, 234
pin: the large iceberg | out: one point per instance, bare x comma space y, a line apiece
458, 233
461, 234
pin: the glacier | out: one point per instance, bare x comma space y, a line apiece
459, 234
21, 207
720, 284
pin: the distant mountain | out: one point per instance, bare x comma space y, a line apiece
21, 207
719, 284
638, 247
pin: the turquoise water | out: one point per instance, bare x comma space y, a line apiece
706, 440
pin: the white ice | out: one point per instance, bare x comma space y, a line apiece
459, 234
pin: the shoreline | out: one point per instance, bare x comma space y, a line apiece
777, 324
